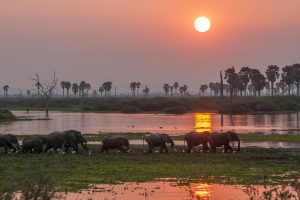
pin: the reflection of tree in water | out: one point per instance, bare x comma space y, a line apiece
274, 192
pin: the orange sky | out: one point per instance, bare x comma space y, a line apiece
148, 41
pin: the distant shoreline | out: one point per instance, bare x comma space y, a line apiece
167, 105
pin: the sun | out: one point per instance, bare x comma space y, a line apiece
202, 24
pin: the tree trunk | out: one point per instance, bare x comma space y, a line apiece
297, 88
272, 88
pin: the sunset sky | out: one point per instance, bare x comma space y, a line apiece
148, 41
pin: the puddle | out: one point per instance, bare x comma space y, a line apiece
161, 190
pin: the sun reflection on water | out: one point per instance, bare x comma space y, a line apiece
202, 191
202, 122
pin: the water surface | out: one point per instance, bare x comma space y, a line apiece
154, 123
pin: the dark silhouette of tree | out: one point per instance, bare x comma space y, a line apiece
38, 86
181, 90
176, 86
28, 92
47, 89
133, 86
95, 93
146, 91
68, 86
171, 90
244, 78
272, 73
107, 87
82, 87
288, 77
62, 85
166, 88
211, 88
138, 86
101, 90
185, 90
5, 90
296, 73
268, 88
258, 80
232, 78
75, 89
203, 89
87, 88
215, 87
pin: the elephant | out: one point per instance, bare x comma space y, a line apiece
193, 139
159, 140
67, 139
42, 139
220, 139
9, 141
113, 142
32, 145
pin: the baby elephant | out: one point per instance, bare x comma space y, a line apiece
115, 142
32, 145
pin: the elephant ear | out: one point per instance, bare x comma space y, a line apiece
165, 139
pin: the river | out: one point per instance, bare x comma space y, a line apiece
154, 123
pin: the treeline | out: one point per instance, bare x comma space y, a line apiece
251, 82
241, 105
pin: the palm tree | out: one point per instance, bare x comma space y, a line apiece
296, 69
68, 86
101, 90
176, 85
5, 90
211, 86
231, 77
146, 91
87, 87
133, 86
171, 90
288, 77
185, 89
244, 78
203, 89
95, 93
75, 88
28, 92
181, 90
166, 88
258, 80
138, 85
82, 87
62, 85
38, 85
107, 87
272, 73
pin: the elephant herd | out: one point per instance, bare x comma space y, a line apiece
72, 138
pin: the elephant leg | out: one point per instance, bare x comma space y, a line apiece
102, 149
75, 147
120, 148
205, 147
67, 149
213, 149
150, 149
165, 147
48, 146
106, 151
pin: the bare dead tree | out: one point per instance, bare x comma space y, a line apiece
45, 89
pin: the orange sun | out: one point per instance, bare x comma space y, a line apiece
202, 24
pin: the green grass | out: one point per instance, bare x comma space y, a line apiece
6, 115
74, 172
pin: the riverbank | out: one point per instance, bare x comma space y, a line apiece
71, 172
175, 105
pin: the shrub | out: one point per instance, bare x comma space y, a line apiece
6, 115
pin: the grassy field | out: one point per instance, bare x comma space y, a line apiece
175, 105
70, 172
